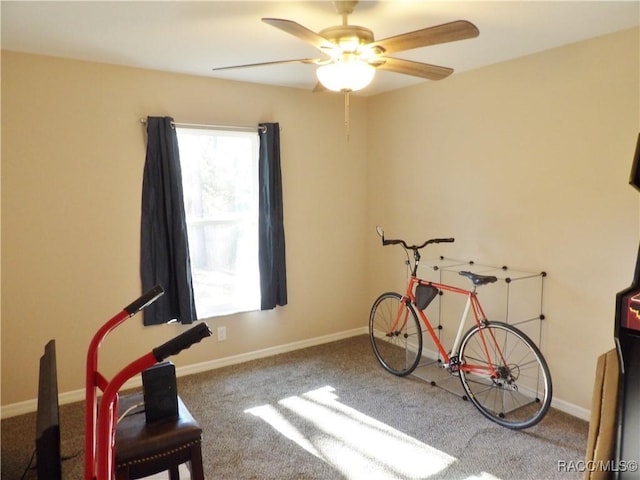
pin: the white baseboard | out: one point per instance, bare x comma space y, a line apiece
20, 408
28, 406
571, 409
268, 352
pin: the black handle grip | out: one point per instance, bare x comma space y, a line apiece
444, 240
182, 341
147, 298
391, 242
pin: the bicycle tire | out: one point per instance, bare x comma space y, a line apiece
399, 351
521, 396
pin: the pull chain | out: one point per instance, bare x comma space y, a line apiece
346, 112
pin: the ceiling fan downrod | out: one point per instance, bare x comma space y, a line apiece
345, 8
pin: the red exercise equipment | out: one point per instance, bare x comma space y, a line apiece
100, 417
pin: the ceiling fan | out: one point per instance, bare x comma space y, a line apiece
350, 55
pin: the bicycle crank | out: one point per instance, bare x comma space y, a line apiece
453, 366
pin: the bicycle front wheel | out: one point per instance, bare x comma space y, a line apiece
518, 395
395, 334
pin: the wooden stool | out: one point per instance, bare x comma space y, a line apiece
142, 450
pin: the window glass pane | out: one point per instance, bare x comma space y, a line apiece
220, 181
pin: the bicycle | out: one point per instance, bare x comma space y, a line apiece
502, 371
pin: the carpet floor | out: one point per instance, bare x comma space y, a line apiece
331, 412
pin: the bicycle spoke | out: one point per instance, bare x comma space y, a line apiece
518, 393
395, 334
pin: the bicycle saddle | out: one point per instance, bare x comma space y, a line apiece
478, 279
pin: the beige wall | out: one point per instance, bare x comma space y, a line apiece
526, 163
73, 152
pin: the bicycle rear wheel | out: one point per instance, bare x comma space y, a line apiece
395, 334
520, 395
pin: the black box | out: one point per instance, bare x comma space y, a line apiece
160, 392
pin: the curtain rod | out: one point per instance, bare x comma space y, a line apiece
244, 128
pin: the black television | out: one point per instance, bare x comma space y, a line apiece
635, 167
48, 458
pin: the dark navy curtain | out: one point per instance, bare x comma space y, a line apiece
271, 250
164, 247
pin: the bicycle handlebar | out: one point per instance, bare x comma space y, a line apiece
182, 341
411, 247
417, 247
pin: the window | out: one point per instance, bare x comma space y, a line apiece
220, 183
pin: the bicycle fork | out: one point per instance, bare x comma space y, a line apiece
399, 323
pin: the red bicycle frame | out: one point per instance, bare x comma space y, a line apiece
472, 304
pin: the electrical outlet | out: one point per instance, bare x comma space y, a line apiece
222, 334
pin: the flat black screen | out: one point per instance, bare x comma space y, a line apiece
635, 168
48, 418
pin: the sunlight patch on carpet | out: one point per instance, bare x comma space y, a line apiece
482, 476
355, 444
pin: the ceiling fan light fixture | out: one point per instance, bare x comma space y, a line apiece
346, 75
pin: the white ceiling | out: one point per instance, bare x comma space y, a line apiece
194, 37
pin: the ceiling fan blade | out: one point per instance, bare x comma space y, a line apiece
277, 62
416, 69
302, 33
447, 32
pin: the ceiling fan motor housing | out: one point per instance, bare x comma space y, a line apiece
348, 37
